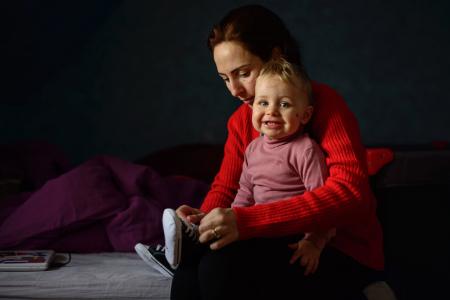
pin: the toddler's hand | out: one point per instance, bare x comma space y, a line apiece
192, 215
308, 253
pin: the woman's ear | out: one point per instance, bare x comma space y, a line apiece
307, 114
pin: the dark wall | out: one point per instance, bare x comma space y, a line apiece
130, 77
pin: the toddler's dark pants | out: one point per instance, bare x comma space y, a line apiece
260, 269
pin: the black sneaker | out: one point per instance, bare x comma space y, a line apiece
180, 237
155, 257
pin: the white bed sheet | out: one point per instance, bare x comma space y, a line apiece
89, 276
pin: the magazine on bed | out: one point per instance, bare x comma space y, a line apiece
26, 260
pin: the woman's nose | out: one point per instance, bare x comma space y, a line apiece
236, 88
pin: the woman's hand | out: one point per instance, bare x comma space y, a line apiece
219, 226
192, 215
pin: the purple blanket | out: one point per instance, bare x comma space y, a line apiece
105, 204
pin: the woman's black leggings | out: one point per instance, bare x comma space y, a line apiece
260, 269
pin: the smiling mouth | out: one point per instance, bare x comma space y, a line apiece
272, 124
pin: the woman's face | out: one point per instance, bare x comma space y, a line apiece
238, 68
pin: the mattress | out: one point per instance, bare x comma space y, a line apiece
89, 276
108, 276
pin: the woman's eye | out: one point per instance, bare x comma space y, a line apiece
244, 74
226, 79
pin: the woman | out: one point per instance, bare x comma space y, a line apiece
243, 40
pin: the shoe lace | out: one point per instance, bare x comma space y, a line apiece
191, 230
160, 248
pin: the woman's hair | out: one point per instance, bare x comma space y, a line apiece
289, 73
259, 30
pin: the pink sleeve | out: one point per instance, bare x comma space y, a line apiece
244, 196
313, 168
314, 173
226, 183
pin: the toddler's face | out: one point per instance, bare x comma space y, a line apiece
280, 108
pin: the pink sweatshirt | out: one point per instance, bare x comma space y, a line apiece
345, 201
279, 169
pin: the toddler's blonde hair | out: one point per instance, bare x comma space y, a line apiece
290, 73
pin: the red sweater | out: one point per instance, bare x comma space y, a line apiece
345, 201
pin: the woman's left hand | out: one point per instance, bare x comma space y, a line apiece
220, 227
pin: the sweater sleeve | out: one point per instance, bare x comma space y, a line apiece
343, 198
226, 182
320, 239
244, 196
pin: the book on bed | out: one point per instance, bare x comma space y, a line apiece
25, 260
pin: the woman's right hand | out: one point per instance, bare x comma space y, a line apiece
192, 215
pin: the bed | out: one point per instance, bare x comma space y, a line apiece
111, 275
96, 211
105, 266
114, 276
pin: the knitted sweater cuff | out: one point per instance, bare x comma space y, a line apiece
245, 223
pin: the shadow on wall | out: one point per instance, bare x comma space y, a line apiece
127, 78
46, 38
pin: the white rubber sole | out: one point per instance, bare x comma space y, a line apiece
172, 236
146, 256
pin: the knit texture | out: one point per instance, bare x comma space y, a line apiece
279, 169
345, 201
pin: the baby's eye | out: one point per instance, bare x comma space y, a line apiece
263, 103
285, 104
